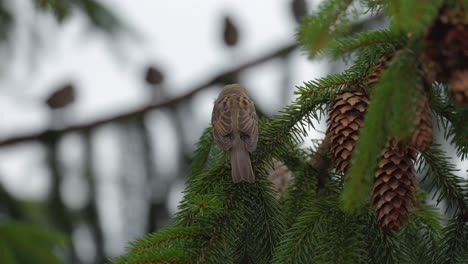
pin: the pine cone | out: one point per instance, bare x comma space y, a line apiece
346, 116
458, 87
394, 186
378, 68
422, 136
446, 49
279, 176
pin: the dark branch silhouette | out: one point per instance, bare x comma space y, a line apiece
218, 79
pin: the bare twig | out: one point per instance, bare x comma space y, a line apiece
219, 78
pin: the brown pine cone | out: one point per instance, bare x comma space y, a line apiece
374, 76
422, 136
346, 116
394, 186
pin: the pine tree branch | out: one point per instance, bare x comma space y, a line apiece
316, 31
453, 120
299, 243
217, 79
308, 178
383, 247
216, 230
341, 46
454, 243
344, 82
412, 16
439, 172
202, 153
165, 236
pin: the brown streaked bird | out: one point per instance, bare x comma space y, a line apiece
235, 129
230, 32
62, 97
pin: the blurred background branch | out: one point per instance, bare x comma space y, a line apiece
219, 79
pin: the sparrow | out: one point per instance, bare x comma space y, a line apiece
230, 32
62, 97
235, 129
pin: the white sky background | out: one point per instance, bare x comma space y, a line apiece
182, 37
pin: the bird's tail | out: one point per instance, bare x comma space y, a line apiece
240, 164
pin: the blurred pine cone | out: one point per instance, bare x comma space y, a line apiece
422, 135
346, 117
374, 76
458, 86
446, 48
279, 176
394, 186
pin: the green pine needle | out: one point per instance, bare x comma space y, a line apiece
329, 22
454, 243
439, 173
454, 121
413, 16
382, 39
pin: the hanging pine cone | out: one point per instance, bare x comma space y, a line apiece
374, 76
422, 136
446, 48
346, 116
394, 186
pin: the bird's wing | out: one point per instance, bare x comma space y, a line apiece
248, 123
221, 122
